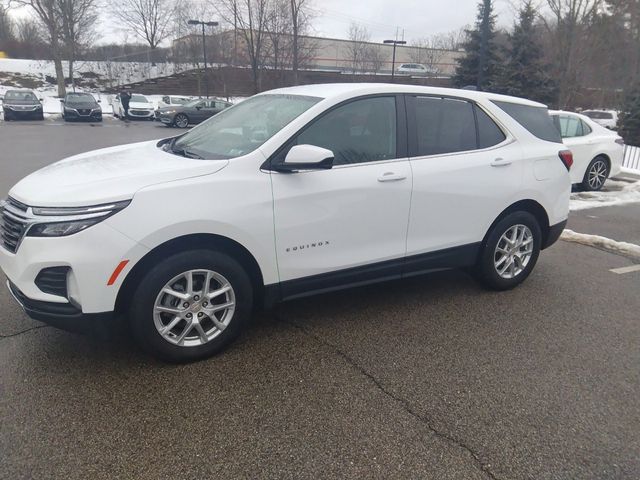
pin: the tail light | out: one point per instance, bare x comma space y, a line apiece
567, 158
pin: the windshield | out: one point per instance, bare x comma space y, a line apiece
192, 103
20, 96
241, 129
80, 98
179, 101
598, 115
139, 99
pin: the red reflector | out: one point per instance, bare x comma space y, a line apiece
116, 272
567, 158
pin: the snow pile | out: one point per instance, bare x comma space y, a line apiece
621, 248
615, 192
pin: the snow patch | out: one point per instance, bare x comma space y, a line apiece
621, 248
615, 192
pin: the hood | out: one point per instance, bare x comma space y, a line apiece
107, 175
142, 105
84, 105
21, 102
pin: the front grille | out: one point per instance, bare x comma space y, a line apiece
13, 224
84, 111
53, 280
139, 112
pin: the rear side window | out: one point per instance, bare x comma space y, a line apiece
489, 134
444, 126
535, 119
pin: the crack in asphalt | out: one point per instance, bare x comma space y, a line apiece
24, 331
484, 467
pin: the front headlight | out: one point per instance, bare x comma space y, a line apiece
65, 221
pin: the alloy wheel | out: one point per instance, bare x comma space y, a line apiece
194, 307
182, 121
513, 251
597, 175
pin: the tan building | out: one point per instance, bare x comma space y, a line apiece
316, 53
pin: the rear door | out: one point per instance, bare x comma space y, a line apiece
346, 225
465, 170
576, 135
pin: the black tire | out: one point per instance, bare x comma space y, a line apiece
178, 118
141, 308
596, 175
485, 270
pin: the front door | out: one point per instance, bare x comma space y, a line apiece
346, 225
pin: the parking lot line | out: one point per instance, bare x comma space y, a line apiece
623, 270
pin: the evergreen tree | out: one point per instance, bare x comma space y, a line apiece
523, 73
479, 65
630, 118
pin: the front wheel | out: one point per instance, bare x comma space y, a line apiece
181, 121
510, 252
596, 174
191, 305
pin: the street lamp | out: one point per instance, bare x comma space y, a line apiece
204, 49
393, 63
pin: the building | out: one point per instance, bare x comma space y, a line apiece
316, 53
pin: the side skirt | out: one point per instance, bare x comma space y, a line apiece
455, 257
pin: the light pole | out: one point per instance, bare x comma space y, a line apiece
204, 49
393, 62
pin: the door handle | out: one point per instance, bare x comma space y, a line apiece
501, 162
391, 177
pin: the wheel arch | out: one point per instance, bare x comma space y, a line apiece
527, 205
190, 242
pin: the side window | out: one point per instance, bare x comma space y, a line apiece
166, 100
535, 119
489, 134
586, 129
570, 127
360, 131
444, 126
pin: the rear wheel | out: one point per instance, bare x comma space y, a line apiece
596, 174
510, 252
181, 120
191, 305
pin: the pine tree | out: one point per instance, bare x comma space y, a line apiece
479, 65
630, 118
523, 73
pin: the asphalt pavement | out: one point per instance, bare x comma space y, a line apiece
427, 378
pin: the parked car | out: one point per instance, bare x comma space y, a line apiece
81, 107
606, 118
21, 105
172, 100
417, 69
289, 193
139, 107
597, 151
193, 112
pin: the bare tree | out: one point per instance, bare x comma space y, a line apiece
249, 18
357, 48
567, 25
150, 20
299, 20
427, 51
48, 15
375, 58
28, 31
78, 19
6, 26
279, 28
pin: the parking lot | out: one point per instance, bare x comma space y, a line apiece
428, 378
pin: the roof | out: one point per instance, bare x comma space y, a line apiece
335, 90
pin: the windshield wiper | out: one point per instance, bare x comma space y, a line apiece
183, 152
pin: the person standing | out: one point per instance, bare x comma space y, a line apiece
125, 97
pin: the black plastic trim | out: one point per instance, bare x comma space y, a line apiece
64, 316
554, 234
455, 257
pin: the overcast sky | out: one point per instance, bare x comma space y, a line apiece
418, 18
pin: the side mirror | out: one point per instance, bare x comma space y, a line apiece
306, 157
62, 100
99, 101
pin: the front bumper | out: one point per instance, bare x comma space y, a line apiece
26, 114
63, 316
93, 116
135, 113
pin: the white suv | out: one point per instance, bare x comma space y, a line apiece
292, 192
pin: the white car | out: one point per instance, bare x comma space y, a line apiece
417, 69
606, 118
139, 107
289, 193
597, 151
172, 100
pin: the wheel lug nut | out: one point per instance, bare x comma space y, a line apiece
204, 304
189, 315
185, 304
196, 298
200, 314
